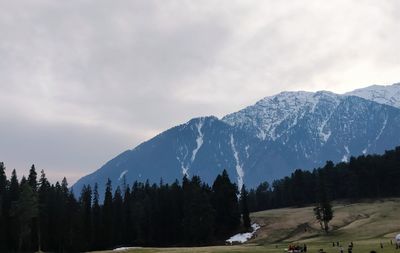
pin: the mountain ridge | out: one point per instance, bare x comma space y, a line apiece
264, 141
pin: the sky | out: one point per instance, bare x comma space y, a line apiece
81, 81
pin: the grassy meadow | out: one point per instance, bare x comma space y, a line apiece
367, 224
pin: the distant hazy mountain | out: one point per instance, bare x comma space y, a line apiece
265, 141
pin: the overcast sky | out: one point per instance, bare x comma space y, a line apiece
82, 81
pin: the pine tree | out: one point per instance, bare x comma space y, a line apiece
24, 210
118, 217
225, 203
107, 235
128, 228
198, 214
3, 211
32, 178
86, 209
323, 211
3, 184
96, 220
32, 181
43, 201
244, 208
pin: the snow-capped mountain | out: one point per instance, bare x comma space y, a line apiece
383, 94
265, 141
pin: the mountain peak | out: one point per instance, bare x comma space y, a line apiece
265, 117
382, 94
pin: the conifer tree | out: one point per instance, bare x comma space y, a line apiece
32, 178
198, 214
323, 210
118, 217
128, 227
225, 203
44, 210
96, 220
107, 235
86, 208
245, 209
3, 184
24, 210
3, 211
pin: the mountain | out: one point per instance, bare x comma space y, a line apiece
265, 141
388, 95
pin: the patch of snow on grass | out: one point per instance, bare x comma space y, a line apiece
124, 248
244, 237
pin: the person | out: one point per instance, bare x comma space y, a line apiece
341, 249
304, 248
381, 245
350, 248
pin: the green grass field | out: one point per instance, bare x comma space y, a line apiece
367, 224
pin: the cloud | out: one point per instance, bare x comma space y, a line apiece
97, 77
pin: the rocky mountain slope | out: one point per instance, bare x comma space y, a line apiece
265, 141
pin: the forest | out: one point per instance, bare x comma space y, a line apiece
370, 176
35, 214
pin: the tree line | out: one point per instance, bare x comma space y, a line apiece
370, 176
36, 215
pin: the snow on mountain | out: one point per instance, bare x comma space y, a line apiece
383, 94
272, 117
265, 141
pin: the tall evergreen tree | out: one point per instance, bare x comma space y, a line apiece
32, 178
96, 220
245, 208
129, 226
118, 217
107, 235
3, 184
24, 210
86, 209
3, 211
198, 214
43, 205
323, 210
225, 203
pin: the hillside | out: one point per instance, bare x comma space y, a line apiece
352, 221
366, 224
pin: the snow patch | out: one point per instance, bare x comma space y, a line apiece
182, 161
199, 139
125, 248
346, 156
239, 169
383, 128
244, 237
183, 156
382, 94
247, 151
122, 175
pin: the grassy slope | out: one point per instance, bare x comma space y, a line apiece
367, 224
